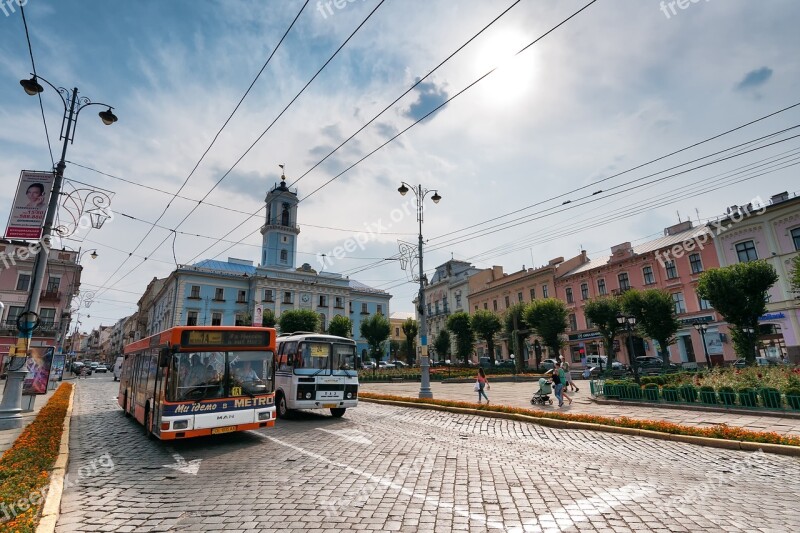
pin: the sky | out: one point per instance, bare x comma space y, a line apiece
583, 109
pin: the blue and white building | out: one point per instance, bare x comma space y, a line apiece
232, 292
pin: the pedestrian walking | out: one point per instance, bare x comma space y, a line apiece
568, 374
555, 378
563, 378
481, 384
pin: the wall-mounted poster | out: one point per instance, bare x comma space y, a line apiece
30, 205
38, 365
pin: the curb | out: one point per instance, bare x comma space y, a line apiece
779, 449
699, 408
52, 504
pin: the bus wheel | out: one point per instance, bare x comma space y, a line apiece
282, 409
338, 412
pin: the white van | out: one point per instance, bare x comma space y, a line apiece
118, 367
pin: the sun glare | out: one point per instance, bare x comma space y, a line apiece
514, 75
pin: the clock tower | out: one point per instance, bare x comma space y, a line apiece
279, 233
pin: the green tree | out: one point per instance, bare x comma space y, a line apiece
486, 325
298, 320
460, 326
442, 345
268, 319
654, 310
794, 277
376, 329
410, 330
340, 326
515, 326
739, 293
548, 317
603, 313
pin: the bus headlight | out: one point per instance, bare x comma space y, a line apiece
349, 395
180, 424
264, 415
308, 396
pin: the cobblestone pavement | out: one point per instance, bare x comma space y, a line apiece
519, 395
384, 468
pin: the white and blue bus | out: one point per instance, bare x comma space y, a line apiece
315, 371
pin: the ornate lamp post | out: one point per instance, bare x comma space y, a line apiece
73, 105
424, 364
628, 323
702, 327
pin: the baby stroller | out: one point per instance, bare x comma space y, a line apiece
541, 397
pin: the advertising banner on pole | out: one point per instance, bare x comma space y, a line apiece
26, 218
38, 364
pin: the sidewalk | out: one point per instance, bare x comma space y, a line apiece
8, 436
519, 395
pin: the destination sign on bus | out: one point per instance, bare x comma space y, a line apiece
224, 338
319, 350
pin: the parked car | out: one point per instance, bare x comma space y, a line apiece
760, 361
385, 365
101, 368
548, 364
653, 365
400, 364
505, 363
367, 365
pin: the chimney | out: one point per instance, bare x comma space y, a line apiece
556, 261
678, 228
584, 259
780, 197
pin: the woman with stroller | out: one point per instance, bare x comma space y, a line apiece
562, 376
482, 383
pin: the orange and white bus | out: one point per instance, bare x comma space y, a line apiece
191, 381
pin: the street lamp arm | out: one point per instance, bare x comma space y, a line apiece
62, 91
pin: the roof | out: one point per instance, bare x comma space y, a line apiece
225, 266
401, 315
358, 286
644, 248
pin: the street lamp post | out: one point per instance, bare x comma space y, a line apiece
73, 105
628, 323
751, 332
424, 365
701, 327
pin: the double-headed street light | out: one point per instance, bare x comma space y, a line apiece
424, 364
628, 323
73, 105
702, 327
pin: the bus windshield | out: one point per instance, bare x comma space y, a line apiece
210, 375
344, 358
312, 358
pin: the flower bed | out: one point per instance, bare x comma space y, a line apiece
721, 431
25, 467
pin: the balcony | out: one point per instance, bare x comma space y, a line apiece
46, 328
50, 296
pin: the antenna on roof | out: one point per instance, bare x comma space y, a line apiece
679, 216
697, 212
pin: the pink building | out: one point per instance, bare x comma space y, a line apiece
770, 232
674, 263
63, 276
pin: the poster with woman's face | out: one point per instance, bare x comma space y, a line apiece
30, 205
38, 366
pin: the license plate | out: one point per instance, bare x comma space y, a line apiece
229, 429
328, 405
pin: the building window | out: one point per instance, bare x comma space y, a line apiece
23, 282
672, 270
624, 283
240, 320
285, 214
704, 304
52, 284
396, 332
486, 305
695, 263
287, 297
338, 304
436, 306
647, 272
47, 317
380, 309
494, 304
429, 309
191, 318
216, 319
364, 310
323, 300
601, 287
746, 251
508, 302
322, 324
796, 238
219, 294
519, 296
584, 291
573, 322
458, 300
269, 296
568, 292
284, 256
476, 307
13, 313
680, 305
533, 293
194, 292
242, 298
589, 323
544, 291
444, 305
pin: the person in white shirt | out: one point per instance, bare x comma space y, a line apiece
247, 374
